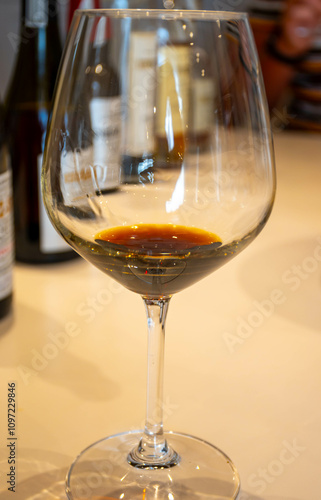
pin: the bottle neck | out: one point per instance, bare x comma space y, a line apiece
101, 54
38, 52
101, 40
36, 14
39, 28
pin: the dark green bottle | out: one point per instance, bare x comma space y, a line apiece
27, 108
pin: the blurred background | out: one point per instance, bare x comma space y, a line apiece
295, 22
10, 17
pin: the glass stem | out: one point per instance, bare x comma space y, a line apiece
153, 450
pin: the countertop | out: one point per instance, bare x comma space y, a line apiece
242, 363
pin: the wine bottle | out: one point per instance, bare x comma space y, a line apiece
202, 102
27, 108
104, 109
139, 141
80, 4
172, 100
6, 227
91, 158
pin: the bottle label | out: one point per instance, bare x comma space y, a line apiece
36, 13
173, 90
76, 178
49, 240
6, 235
84, 172
105, 116
202, 104
141, 93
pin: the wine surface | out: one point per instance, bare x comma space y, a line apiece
156, 260
157, 238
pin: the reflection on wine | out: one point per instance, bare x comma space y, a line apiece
158, 260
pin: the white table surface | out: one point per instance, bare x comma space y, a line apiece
243, 354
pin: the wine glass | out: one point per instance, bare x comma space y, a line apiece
158, 169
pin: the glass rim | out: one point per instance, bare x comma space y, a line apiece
170, 14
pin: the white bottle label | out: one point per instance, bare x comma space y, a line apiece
77, 178
49, 240
37, 13
105, 116
141, 94
6, 235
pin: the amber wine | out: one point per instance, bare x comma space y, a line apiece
157, 260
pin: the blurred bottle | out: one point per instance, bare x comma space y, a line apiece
81, 4
104, 109
173, 95
101, 141
203, 92
6, 226
141, 80
27, 108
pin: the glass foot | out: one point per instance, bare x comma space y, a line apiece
103, 472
